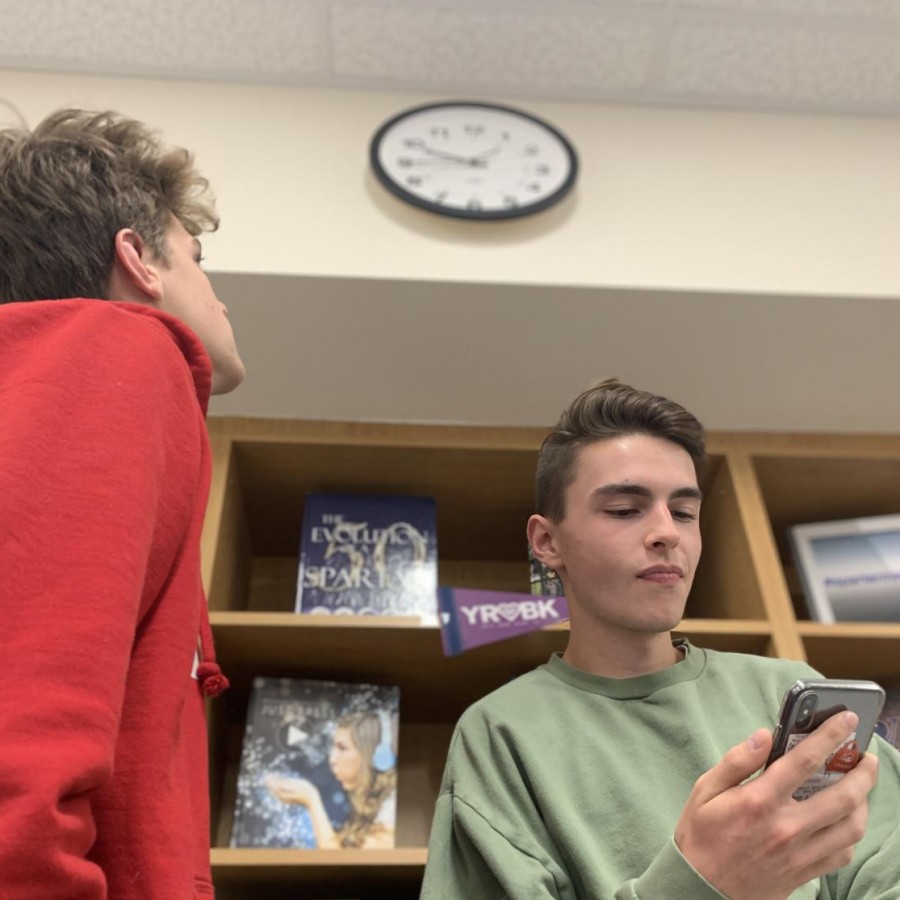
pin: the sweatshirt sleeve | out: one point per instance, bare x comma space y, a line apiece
669, 877
468, 857
86, 413
874, 873
488, 842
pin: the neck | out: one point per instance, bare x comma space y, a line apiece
620, 655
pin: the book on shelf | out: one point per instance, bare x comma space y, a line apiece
364, 554
889, 721
544, 580
850, 569
318, 766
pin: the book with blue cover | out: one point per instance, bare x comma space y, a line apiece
364, 554
318, 766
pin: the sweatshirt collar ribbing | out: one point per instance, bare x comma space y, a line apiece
636, 688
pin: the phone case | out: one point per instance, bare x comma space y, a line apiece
807, 704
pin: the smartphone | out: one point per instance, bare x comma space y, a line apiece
807, 704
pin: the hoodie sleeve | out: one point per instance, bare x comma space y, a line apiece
90, 397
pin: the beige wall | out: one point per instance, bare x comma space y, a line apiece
667, 199
744, 264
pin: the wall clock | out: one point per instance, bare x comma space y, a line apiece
473, 160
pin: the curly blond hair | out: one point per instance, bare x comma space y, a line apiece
67, 188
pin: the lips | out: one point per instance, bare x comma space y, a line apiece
662, 574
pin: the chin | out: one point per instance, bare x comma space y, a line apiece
225, 382
651, 629
661, 623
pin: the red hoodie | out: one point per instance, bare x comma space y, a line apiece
104, 475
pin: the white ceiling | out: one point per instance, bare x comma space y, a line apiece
828, 55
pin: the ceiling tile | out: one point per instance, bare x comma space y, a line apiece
494, 47
831, 55
221, 37
810, 9
777, 65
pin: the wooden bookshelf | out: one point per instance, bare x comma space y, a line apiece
745, 598
288, 874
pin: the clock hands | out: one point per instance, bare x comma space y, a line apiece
453, 157
440, 161
479, 160
489, 152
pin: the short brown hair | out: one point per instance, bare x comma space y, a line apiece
67, 188
607, 410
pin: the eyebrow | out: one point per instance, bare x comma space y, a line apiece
638, 490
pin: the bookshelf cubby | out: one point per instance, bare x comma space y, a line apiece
745, 598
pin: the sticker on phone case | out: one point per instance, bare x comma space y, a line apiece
841, 761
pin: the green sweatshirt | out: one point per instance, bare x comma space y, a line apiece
567, 785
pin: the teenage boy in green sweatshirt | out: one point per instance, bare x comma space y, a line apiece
623, 767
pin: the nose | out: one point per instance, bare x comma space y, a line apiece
662, 530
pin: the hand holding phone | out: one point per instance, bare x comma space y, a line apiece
809, 703
751, 839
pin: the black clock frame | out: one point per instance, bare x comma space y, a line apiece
481, 215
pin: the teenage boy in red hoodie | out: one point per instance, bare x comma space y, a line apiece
111, 342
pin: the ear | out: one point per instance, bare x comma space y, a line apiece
135, 272
542, 539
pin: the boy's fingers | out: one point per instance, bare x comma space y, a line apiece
735, 767
808, 757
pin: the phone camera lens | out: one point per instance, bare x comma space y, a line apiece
807, 707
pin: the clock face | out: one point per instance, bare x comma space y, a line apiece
473, 160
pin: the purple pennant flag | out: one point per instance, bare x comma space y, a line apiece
470, 618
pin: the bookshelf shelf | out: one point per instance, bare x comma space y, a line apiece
854, 650
241, 860
850, 631
745, 598
241, 872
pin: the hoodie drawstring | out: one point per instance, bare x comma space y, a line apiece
212, 681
